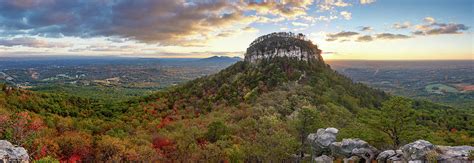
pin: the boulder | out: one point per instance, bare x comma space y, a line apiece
417, 150
323, 159
454, 154
353, 147
7, 150
321, 140
390, 155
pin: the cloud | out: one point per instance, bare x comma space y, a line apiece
349, 36
201, 54
176, 22
346, 15
250, 29
365, 28
325, 5
323, 18
404, 25
429, 20
340, 35
300, 24
366, 1
186, 23
431, 27
287, 9
31, 42
438, 29
390, 36
365, 38
263, 19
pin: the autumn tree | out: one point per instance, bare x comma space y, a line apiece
396, 119
19, 128
216, 130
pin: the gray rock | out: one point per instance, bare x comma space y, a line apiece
353, 147
416, 161
321, 140
454, 154
390, 155
323, 159
417, 150
7, 150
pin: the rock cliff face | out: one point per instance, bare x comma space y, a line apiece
10, 153
283, 44
326, 149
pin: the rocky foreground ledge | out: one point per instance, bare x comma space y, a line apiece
326, 149
10, 153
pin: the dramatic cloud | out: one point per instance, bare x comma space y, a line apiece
341, 35
164, 22
365, 38
177, 22
404, 25
31, 42
389, 36
346, 15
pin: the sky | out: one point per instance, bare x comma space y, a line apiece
343, 29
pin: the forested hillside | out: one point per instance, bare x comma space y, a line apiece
245, 112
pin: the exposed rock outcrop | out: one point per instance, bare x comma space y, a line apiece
324, 142
10, 153
417, 150
321, 140
325, 148
283, 44
454, 154
390, 155
353, 147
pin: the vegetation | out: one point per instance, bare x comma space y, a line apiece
246, 112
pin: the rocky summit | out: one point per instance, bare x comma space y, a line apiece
283, 44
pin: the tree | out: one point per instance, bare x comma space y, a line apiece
110, 149
216, 131
20, 127
396, 119
306, 121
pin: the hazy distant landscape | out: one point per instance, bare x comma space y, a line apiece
116, 77
448, 82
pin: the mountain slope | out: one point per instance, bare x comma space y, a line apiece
277, 91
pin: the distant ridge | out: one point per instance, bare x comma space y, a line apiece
222, 59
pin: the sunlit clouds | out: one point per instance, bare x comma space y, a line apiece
189, 28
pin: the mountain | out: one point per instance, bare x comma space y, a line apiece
221, 59
259, 109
